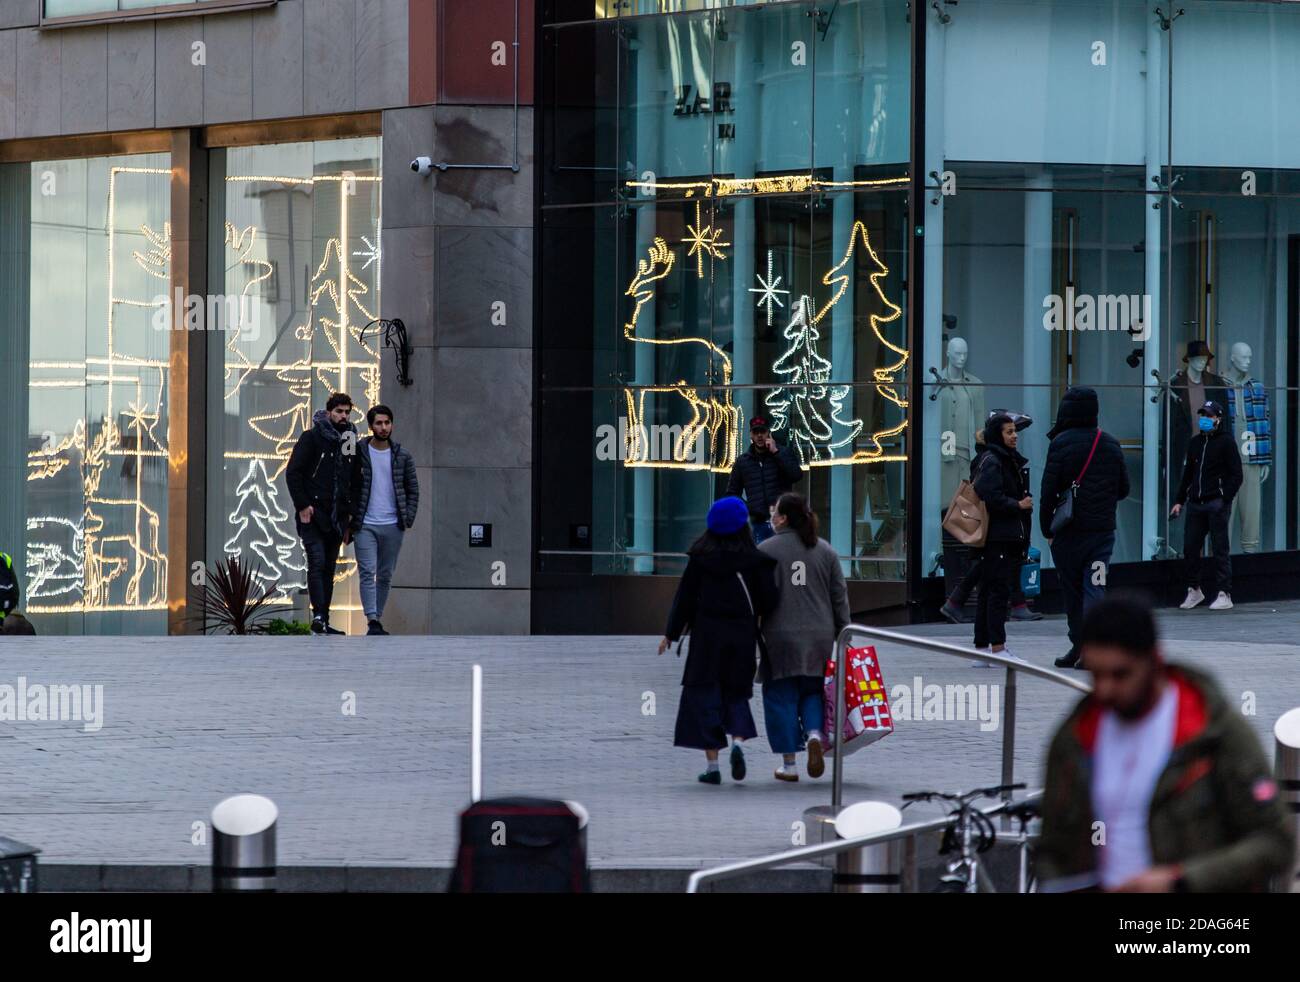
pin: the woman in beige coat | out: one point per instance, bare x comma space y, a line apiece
800, 634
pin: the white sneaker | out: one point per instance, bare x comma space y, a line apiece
1194, 597
1222, 602
980, 662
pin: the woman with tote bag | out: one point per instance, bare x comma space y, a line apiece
726, 587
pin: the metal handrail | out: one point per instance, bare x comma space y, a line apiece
832, 848
1012, 666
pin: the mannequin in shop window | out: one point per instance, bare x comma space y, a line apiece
1190, 389
1248, 409
961, 413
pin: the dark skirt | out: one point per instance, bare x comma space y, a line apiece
708, 713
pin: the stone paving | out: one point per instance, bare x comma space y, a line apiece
188, 721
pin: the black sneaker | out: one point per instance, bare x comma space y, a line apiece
1068, 660
318, 625
376, 628
737, 763
333, 630
711, 777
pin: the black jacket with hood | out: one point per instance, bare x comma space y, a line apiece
319, 473
712, 605
1104, 485
1213, 468
1001, 481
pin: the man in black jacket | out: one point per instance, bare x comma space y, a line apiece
319, 476
1211, 479
1082, 550
764, 472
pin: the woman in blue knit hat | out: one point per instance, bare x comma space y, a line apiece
727, 587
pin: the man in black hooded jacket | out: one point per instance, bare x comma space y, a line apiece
319, 477
1082, 550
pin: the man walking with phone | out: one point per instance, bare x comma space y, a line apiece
763, 473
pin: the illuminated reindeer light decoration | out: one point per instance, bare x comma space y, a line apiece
715, 418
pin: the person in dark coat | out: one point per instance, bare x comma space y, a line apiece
1089, 538
762, 474
727, 586
1211, 479
799, 635
1002, 483
319, 477
952, 606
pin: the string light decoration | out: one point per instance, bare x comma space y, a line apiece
703, 240
767, 290
339, 310
96, 568
720, 187
819, 435
718, 418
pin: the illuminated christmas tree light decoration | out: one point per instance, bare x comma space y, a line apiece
767, 290
703, 240
812, 409
278, 551
716, 418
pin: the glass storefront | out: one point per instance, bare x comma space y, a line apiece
1106, 184
86, 266
729, 237
297, 258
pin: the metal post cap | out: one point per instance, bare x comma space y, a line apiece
244, 814
867, 817
1287, 728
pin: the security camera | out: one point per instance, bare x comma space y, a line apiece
422, 166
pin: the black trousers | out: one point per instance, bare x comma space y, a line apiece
322, 547
972, 578
1000, 559
1208, 517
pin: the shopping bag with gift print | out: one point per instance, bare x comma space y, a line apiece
866, 702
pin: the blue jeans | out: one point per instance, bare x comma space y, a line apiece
762, 531
792, 708
1076, 555
377, 547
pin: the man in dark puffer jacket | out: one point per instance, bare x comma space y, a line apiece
764, 472
1082, 550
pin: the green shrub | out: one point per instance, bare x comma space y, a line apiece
280, 626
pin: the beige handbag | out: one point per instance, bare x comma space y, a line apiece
967, 518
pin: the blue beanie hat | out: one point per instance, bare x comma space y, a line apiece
727, 515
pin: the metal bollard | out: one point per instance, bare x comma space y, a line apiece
875, 868
1286, 768
243, 845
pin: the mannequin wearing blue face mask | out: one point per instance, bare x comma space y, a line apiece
1211, 479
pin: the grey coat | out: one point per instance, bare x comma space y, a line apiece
813, 605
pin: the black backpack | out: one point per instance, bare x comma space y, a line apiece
8, 584
521, 845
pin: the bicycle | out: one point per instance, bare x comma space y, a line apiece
971, 833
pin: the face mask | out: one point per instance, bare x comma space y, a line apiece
1206, 424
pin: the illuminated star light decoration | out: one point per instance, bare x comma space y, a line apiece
703, 240
767, 290
811, 432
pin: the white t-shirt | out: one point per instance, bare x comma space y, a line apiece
1129, 760
382, 507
